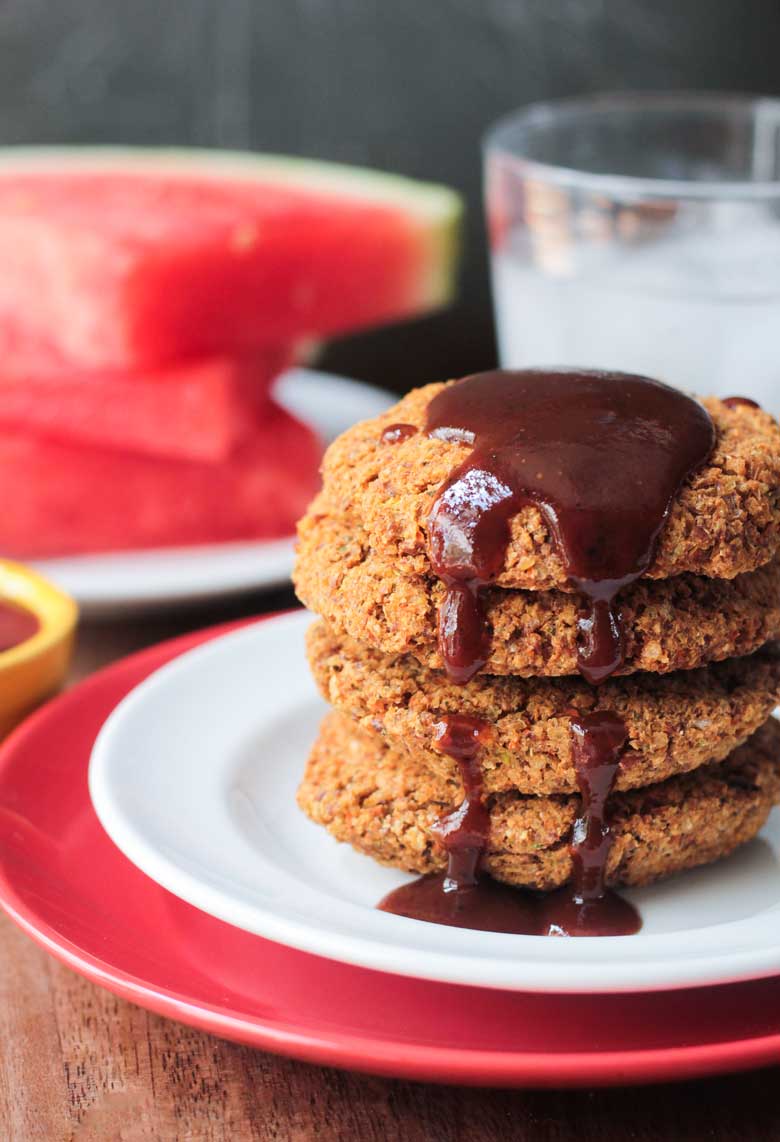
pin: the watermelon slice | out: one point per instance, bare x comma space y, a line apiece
125, 259
199, 411
66, 499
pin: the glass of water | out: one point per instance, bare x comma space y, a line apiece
641, 233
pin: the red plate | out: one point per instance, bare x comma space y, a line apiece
64, 883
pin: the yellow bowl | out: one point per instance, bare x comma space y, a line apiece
33, 670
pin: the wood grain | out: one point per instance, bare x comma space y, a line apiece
79, 1065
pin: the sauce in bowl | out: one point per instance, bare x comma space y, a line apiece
17, 625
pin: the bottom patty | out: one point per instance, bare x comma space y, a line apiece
377, 800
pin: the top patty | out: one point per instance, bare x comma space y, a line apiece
726, 519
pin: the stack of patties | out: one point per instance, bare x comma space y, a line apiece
695, 688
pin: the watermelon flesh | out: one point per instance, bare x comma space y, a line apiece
131, 260
65, 499
197, 411
148, 299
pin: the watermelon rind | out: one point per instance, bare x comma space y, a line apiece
436, 208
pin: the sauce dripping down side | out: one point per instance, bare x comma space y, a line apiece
464, 832
17, 624
463, 897
586, 907
601, 455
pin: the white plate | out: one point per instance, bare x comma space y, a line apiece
194, 775
126, 581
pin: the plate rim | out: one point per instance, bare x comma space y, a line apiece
415, 1061
638, 970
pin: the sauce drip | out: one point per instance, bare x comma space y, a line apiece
17, 624
735, 402
601, 455
461, 897
464, 831
397, 433
586, 907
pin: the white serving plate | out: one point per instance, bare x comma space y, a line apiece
194, 775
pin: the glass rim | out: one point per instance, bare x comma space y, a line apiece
550, 112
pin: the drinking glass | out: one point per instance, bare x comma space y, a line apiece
641, 233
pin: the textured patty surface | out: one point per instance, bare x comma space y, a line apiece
382, 804
726, 519
676, 722
671, 624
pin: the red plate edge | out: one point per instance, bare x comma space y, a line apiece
393, 1058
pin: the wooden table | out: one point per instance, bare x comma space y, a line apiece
77, 1063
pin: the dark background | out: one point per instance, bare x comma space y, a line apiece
408, 85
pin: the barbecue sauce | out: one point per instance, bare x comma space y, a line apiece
735, 402
602, 456
461, 897
17, 624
